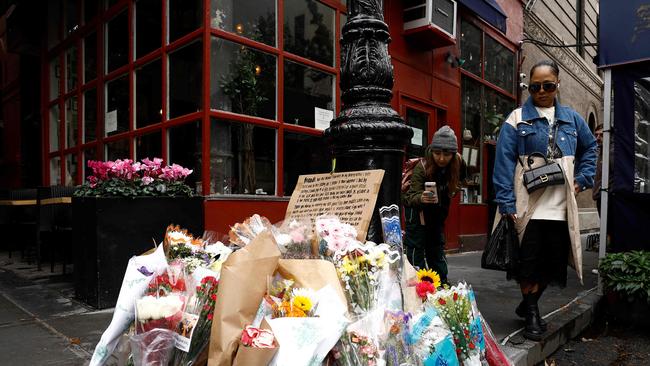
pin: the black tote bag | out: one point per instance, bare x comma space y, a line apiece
501, 251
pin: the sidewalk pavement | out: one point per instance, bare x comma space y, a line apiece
41, 323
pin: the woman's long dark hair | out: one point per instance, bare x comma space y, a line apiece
452, 174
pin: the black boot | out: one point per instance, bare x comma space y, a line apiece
532, 330
521, 309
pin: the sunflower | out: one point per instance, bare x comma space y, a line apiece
428, 275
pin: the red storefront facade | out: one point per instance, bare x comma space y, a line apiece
240, 91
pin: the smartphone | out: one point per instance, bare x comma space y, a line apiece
431, 187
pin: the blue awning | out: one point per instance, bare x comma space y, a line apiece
624, 32
489, 11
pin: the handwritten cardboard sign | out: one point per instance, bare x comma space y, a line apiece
349, 195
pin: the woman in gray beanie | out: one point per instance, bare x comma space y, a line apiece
425, 212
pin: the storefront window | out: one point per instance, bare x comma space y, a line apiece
243, 80
148, 98
185, 148
117, 150
499, 65
55, 77
90, 154
90, 10
53, 23
185, 16
71, 17
117, 42
54, 128
642, 135
148, 146
242, 157
496, 109
90, 115
148, 25
55, 171
90, 57
471, 140
71, 122
185, 80
306, 92
309, 30
470, 47
303, 154
71, 68
419, 122
70, 169
251, 19
116, 119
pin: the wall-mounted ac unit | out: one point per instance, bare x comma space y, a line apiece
432, 23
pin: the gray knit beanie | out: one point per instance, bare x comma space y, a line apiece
444, 139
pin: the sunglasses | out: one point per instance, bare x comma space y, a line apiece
548, 87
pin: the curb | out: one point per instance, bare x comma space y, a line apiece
564, 324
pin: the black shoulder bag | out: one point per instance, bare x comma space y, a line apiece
549, 174
501, 251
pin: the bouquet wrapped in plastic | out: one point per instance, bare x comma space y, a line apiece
241, 234
294, 239
431, 339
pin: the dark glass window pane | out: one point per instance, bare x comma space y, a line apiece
243, 80
109, 3
470, 47
116, 119
55, 77
303, 154
305, 89
117, 150
55, 171
89, 154
54, 128
90, 115
71, 167
185, 16
148, 25
71, 122
148, 146
185, 73
471, 152
90, 57
71, 68
148, 98
90, 10
419, 122
242, 157
71, 17
309, 30
642, 135
499, 65
185, 149
496, 108
250, 19
54, 16
117, 42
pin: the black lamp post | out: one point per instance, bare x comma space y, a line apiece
368, 133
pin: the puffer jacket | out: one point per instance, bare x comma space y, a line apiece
524, 132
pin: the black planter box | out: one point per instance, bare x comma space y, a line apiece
107, 232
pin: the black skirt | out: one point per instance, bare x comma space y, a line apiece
544, 253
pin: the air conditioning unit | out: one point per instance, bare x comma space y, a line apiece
431, 23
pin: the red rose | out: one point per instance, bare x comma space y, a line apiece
441, 301
472, 346
213, 297
210, 316
455, 296
423, 288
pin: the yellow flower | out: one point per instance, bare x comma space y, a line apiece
303, 303
428, 275
348, 266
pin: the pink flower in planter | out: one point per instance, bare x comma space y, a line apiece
147, 180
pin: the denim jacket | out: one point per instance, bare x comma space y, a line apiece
529, 133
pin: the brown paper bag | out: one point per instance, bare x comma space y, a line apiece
312, 273
251, 356
241, 288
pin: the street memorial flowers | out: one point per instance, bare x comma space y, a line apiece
127, 178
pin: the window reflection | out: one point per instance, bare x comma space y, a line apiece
54, 128
148, 25
243, 80
55, 77
71, 122
90, 57
185, 16
470, 47
305, 89
471, 137
71, 68
303, 154
499, 64
496, 109
117, 42
116, 119
148, 98
242, 157
185, 148
117, 150
90, 115
148, 146
642, 135
250, 19
185, 73
70, 170
55, 171
419, 122
309, 30
89, 154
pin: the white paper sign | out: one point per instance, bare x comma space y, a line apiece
323, 117
417, 136
110, 124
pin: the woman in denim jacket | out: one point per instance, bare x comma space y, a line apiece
546, 219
